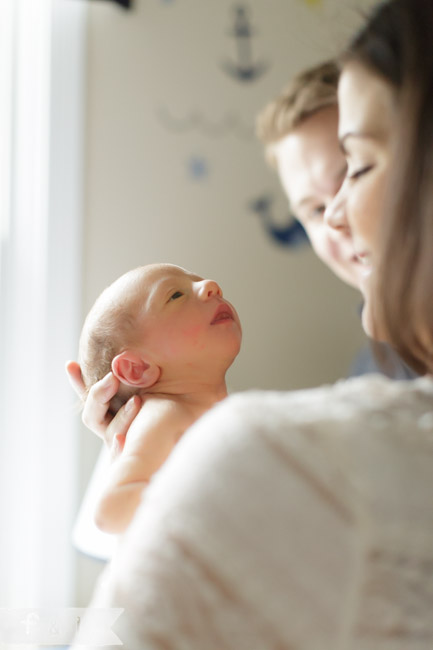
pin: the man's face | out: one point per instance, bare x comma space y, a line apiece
186, 322
311, 168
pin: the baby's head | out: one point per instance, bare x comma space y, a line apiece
158, 322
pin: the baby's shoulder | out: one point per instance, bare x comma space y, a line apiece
160, 418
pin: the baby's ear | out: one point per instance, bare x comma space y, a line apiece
131, 369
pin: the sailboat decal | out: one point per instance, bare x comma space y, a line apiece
290, 234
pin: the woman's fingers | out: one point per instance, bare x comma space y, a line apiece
117, 430
73, 371
96, 414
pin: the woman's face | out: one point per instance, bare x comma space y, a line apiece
367, 113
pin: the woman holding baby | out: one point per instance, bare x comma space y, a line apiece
305, 520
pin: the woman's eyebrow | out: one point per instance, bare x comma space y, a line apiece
349, 134
377, 135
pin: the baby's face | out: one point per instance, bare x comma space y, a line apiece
186, 320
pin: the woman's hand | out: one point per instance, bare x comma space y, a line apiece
96, 414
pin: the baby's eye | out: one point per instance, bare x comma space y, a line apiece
176, 295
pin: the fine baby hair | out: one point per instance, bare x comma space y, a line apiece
111, 325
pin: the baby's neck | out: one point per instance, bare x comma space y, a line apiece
198, 396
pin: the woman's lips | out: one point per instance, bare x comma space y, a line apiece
223, 313
365, 263
364, 258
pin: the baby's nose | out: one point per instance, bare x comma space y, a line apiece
208, 289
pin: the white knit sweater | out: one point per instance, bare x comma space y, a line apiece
287, 521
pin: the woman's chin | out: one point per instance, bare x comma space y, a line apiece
367, 320
370, 326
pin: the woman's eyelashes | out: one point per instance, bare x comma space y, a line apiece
353, 176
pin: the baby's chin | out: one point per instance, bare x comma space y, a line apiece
233, 353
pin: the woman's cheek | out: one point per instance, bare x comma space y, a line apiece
373, 208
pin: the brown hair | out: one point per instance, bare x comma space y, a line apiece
395, 43
307, 93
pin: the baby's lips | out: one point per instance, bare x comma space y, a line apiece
223, 312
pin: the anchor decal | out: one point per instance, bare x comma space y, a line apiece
126, 4
291, 234
244, 69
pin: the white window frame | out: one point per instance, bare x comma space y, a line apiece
42, 101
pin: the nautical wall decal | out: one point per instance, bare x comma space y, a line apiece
126, 4
198, 167
228, 124
243, 67
291, 234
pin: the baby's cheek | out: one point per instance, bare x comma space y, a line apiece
192, 336
184, 337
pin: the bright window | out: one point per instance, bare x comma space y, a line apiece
41, 99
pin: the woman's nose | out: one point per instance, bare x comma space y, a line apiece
208, 289
335, 213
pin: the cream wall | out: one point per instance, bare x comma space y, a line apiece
164, 59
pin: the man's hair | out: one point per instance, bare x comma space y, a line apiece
308, 92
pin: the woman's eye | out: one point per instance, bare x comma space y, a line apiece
359, 172
176, 295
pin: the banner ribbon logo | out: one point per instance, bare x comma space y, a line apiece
53, 627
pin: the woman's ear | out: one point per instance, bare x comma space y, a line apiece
131, 369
